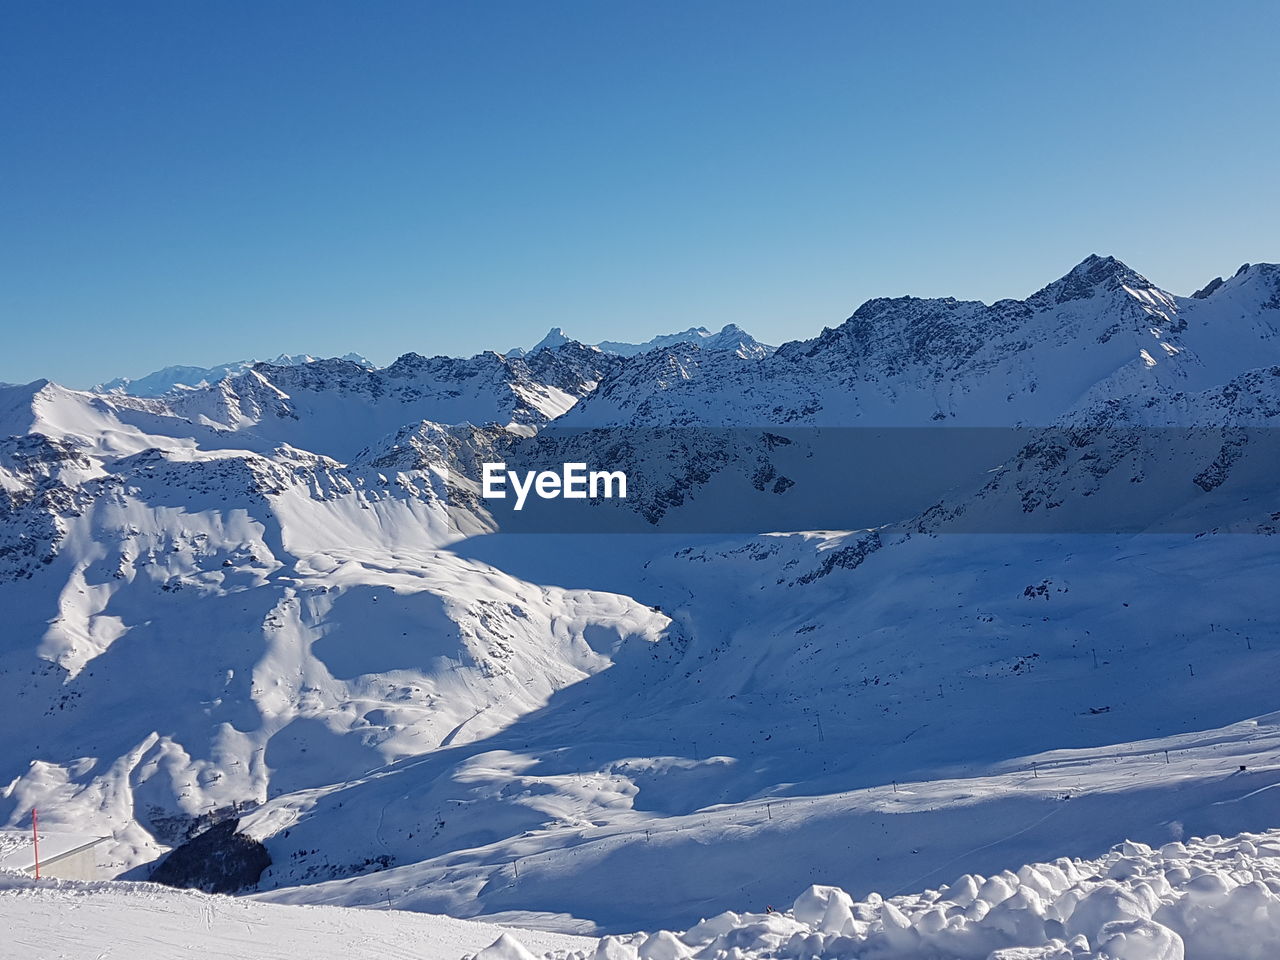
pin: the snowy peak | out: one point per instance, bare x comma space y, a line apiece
1263, 272
730, 338
1262, 281
1253, 291
1098, 298
1094, 275
555, 338
107, 426
1233, 325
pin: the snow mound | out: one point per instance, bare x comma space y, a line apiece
1207, 898
506, 947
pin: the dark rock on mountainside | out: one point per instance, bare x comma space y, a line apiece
1207, 289
220, 860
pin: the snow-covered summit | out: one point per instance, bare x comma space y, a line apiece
730, 338
1095, 275
555, 338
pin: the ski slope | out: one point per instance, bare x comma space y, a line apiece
65, 920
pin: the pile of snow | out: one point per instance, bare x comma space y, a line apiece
1208, 898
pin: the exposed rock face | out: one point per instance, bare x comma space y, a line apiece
220, 860
1207, 289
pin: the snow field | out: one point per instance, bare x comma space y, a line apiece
1205, 899
66, 920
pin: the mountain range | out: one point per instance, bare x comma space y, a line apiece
170, 379
730, 338
268, 615
176, 379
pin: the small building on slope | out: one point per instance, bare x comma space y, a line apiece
68, 856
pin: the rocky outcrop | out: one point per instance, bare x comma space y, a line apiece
220, 860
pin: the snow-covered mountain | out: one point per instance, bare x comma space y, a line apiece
273, 605
1100, 331
337, 407
730, 338
160, 382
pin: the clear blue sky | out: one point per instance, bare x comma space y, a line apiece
188, 182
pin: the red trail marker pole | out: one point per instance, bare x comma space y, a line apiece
35, 838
